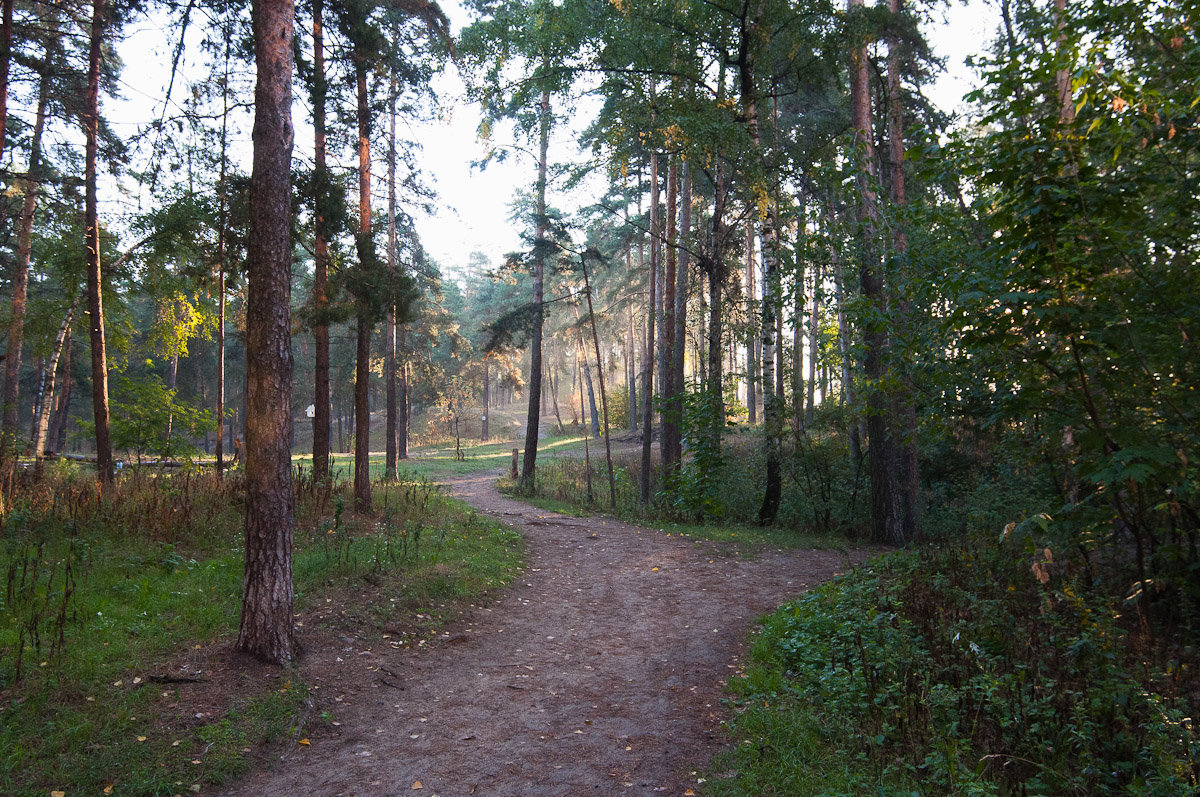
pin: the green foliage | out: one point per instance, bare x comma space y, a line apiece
148, 418
967, 669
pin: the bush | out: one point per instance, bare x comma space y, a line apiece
975, 667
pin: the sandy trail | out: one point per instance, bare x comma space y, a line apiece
599, 672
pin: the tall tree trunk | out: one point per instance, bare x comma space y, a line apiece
57, 439
42, 427
886, 524
391, 472
534, 416
752, 310
6, 36
797, 334
905, 412
587, 288
32, 185
814, 347
321, 401
669, 442
648, 368
95, 278
362, 370
487, 400
402, 423
266, 630
678, 353
222, 245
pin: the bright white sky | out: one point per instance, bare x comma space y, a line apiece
473, 209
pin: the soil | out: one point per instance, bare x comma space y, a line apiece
600, 671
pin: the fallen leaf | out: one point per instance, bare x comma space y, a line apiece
417, 785
141, 738
137, 680
58, 794
108, 789
305, 742
689, 793
654, 570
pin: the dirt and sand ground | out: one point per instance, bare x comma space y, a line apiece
600, 671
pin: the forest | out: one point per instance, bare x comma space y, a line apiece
769, 296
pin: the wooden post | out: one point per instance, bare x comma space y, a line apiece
516, 451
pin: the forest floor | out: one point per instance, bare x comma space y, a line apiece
600, 671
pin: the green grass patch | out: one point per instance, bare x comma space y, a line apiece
106, 598
561, 486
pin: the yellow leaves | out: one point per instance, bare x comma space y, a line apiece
417, 785
304, 742
622, 6
141, 738
57, 793
108, 789
1118, 104
654, 570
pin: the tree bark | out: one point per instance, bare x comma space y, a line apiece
95, 279
752, 309
362, 370
222, 237
57, 439
6, 35
534, 416
321, 400
886, 526
42, 427
266, 630
678, 353
648, 367
391, 471
670, 420
32, 185
487, 401
904, 410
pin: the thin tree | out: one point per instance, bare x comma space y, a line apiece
266, 630
31, 185
540, 245
321, 223
95, 279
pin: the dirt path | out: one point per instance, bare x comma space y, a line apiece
599, 672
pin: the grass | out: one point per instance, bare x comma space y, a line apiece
107, 597
561, 487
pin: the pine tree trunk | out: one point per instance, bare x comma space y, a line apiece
487, 401
670, 419
886, 524
222, 236
752, 311
321, 400
266, 630
798, 342
402, 424
391, 471
648, 366
362, 371
904, 409
95, 278
32, 185
6, 37
534, 416
678, 354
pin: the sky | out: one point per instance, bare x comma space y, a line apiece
473, 207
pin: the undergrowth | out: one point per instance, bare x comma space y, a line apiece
107, 600
970, 668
